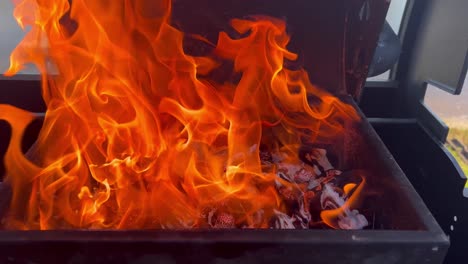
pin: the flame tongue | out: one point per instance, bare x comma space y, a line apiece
136, 135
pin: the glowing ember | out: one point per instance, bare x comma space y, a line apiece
137, 134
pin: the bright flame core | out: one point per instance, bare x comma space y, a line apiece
137, 135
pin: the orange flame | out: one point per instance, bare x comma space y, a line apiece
136, 135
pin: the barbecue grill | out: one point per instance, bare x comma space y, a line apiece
336, 41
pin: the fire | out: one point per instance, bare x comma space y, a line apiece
138, 134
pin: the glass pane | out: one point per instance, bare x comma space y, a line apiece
395, 14
453, 110
382, 77
394, 19
11, 34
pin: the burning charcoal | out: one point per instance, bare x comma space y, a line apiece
298, 220
224, 220
331, 199
266, 157
302, 215
278, 157
283, 221
288, 193
313, 183
313, 189
309, 196
353, 221
258, 217
219, 219
318, 158
333, 173
210, 216
256, 221
297, 173
304, 175
317, 183
266, 160
320, 155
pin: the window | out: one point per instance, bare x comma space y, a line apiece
11, 34
394, 19
453, 110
